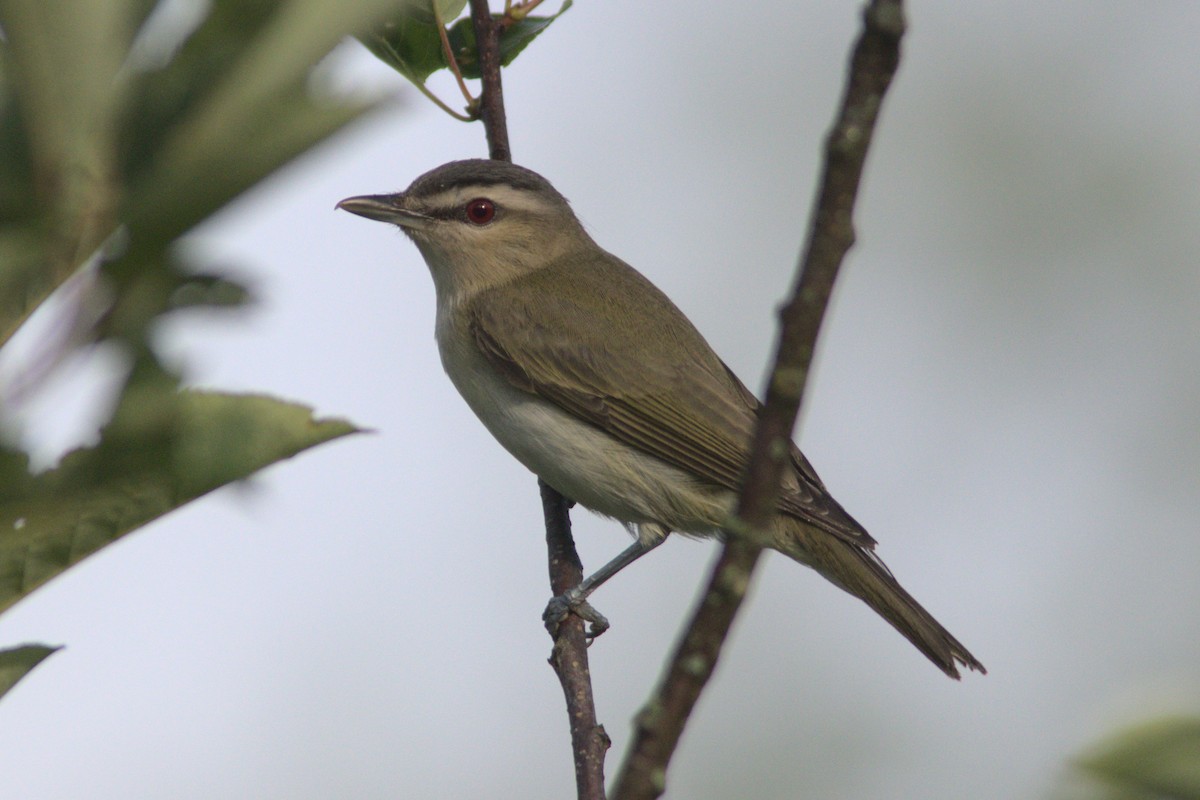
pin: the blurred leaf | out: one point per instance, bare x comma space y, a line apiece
107, 158
257, 115
91, 140
94, 144
448, 10
60, 66
157, 100
64, 59
16, 662
1152, 761
513, 40
24, 280
16, 177
161, 450
209, 291
198, 177
145, 285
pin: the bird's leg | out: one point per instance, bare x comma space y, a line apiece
574, 600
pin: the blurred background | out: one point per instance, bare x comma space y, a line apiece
1006, 395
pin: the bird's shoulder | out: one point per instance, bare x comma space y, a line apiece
599, 322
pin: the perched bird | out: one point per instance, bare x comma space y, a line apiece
595, 381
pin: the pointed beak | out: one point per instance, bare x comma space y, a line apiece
384, 208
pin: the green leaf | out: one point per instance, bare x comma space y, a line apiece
16, 163
158, 100
91, 140
209, 291
94, 142
25, 280
409, 45
61, 62
513, 40
146, 285
1158, 759
247, 112
408, 41
197, 177
16, 662
448, 10
64, 59
161, 450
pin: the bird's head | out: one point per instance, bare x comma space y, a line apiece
479, 223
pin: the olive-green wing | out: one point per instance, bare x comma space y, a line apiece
643, 374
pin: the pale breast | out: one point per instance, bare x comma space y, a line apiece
578, 459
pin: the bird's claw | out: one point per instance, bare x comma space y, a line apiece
572, 602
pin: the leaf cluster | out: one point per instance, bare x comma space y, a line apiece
424, 36
123, 125
1152, 760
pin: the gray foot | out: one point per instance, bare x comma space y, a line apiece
571, 602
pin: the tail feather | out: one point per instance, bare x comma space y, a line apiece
861, 573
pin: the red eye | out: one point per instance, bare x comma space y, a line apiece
481, 211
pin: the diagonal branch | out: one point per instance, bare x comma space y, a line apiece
569, 656
831, 234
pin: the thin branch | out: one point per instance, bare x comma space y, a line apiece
569, 656
448, 54
423, 89
492, 98
831, 234
520, 11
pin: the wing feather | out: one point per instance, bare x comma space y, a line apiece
675, 400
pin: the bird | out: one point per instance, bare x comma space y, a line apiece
592, 378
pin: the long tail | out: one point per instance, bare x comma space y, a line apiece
862, 574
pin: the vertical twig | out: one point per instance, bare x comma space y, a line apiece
569, 656
831, 234
492, 99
